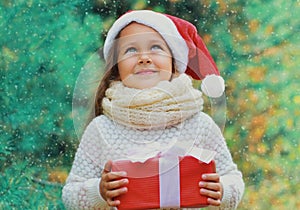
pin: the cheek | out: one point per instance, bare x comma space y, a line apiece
165, 75
126, 67
164, 63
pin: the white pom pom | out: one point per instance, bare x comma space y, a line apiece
213, 86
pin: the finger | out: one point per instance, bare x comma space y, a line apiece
210, 185
107, 167
214, 202
115, 184
216, 195
211, 177
114, 193
113, 203
116, 175
110, 176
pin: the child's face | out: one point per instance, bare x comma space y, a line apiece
144, 58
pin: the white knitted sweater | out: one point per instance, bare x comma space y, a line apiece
106, 139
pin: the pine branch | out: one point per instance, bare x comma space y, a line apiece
46, 183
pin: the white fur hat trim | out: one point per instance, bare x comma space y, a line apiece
159, 22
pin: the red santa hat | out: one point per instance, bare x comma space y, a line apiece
188, 49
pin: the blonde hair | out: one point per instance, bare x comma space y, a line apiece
111, 74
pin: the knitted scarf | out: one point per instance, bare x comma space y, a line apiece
166, 104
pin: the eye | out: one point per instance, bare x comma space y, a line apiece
130, 50
156, 47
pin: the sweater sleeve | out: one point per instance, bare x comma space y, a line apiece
230, 177
81, 190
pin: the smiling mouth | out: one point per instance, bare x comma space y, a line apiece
146, 72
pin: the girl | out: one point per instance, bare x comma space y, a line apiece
146, 99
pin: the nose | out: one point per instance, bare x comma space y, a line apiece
144, 59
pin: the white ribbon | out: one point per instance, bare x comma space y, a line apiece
178, 149
169, 181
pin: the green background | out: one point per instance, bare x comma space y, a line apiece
45, 44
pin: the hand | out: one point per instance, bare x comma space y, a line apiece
111, 184
212, 188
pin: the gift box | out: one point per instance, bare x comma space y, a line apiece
164, 181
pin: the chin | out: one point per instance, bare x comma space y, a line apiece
143, 84
143, 81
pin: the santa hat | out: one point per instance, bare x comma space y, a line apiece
188, 49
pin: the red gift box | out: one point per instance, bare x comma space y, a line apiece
145, 181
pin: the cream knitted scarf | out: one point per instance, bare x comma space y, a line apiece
168, 103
